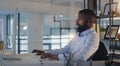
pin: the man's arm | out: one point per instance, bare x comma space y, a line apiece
65, 50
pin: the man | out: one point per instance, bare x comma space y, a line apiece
83, 45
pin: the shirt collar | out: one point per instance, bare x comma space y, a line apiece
85, 32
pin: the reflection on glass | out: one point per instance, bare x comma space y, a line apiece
46, 47
64, 40
55, 46
64, 44
24, 47
47, 41
55, 36
55, 40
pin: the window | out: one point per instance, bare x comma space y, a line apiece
58, 38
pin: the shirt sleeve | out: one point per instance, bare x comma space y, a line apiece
90, 46
61, 57
65, 50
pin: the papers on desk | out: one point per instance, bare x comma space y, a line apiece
11, 57
38, 57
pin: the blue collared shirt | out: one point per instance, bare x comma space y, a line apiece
82, 46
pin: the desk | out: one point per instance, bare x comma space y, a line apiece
27, 60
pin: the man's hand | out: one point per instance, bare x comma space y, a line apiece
38, 52
45, 55
49, 56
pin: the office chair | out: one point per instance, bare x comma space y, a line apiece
100, 54
1, 51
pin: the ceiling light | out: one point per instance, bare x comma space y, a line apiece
25, 27
61, 15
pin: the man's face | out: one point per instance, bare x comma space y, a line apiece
82, 23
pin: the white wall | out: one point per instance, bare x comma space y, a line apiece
31, 6
35, 31
35, 19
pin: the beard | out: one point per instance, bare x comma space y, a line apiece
82, 28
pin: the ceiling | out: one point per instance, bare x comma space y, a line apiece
59, 2
77, 3
41, 6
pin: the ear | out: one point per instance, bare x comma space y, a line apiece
90, 24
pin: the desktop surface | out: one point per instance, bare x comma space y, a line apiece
30, 60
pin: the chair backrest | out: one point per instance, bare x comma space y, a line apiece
100, 54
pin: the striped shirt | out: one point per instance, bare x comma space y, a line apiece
82, 46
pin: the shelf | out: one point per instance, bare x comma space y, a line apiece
117, 56
105, 16
114, 63
115, 47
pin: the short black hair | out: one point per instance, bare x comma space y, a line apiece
87, 13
